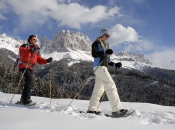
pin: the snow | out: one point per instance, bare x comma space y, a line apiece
11, 58
73, 62
75, 56
130, 62
79, 55
155, 83
44, 117
9, 43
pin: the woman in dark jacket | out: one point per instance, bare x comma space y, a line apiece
103, 80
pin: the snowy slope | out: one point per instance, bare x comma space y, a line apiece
9, 43
131, 60
55, 117
78, 55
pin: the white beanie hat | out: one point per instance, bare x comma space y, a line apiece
105, 31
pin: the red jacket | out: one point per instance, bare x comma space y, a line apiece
26, 56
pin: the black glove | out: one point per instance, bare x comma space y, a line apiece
49, 60
118, 65
109, 51
34, 49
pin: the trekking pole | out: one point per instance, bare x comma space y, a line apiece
101, 99
50, 83
17, 88
85, 83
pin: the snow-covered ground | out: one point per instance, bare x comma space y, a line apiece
55, 117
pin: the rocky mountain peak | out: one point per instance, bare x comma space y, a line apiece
10, 43
129, 56
65, 40
3, 35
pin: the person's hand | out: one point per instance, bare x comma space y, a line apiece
118, 65
109, 51
49, 60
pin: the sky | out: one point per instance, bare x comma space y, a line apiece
140, 26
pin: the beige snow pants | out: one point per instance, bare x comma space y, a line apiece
104, 82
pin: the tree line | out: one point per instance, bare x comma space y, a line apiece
132, 85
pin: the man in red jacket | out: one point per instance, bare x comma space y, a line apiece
29, 56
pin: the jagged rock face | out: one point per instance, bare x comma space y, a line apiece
46, 45
10, 43
65, 40
129, 56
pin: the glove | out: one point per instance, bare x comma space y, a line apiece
34, 49
49, 60
118, 65
109, 51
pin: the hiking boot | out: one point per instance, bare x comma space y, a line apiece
28, 102
94, 112
120, 113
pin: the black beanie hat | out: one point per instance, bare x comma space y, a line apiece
30, 37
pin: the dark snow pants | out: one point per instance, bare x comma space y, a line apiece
28, 84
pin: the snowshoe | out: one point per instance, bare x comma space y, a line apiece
27, 103
121, 113
94, 112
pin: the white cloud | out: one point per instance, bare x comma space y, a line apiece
140, 46
129, 39
121, 34
70, 14
163, 57
3, 9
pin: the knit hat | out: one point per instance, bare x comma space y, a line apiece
105, 31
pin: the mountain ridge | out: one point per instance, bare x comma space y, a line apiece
76, 47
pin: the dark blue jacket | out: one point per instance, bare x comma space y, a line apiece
99, 54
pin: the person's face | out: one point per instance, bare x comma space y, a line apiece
105, 37
33, 40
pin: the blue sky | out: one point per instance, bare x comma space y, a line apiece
141, 26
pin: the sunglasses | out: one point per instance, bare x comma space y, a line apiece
106, 35
34, 39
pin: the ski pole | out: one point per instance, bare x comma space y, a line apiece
17, 88
85, 83
101, 99
50, 83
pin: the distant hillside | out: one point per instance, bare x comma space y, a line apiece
7, 57
163, 73
132, 85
